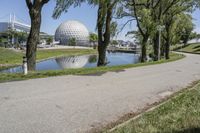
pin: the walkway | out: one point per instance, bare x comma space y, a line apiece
70, 104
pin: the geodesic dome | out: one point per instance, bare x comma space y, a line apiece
72, 29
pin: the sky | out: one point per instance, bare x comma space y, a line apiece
86, 14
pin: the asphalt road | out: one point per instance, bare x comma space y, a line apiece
71, 104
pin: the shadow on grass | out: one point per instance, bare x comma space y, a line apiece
196, 47
198, 50
190, 130
180, 47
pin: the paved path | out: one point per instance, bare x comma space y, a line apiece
70, 104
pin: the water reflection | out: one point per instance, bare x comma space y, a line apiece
75, 61
93, 59
13, 70
86, 61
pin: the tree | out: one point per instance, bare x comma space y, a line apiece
113, 29
72, 42
187, 28
22, 37
114, 42
93, 37
197, 3
141, 12
2, 41
173, 21
149, 14
49, 40
11, 35
104, 20
193, 35
35, 8
198, 37
105, 13
165, 14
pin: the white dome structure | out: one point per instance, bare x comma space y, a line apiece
72, 29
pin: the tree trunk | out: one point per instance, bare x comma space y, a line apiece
167, 48
156, 46
33, 38
144, 50
102, 55
185, 41
162, 52
168, 38
103, 36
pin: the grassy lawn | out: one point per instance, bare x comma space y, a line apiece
180, 114
10, 58
44, 54
191, 48
81, 71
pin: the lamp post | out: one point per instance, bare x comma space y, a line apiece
160, 28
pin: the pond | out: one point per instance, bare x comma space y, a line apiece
85, 61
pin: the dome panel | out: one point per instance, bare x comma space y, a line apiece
72, 29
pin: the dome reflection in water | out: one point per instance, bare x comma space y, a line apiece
85, 61
75, 61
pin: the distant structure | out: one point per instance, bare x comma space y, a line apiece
13, 24
10, 23
72, 30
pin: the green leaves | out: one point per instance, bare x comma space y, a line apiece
93, 37
64, 5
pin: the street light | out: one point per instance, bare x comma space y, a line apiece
160, 28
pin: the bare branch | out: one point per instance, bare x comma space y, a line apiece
45, 1
125, 25
29, 4
137, 19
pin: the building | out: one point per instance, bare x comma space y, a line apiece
72, 30
8, 29
127, 45
15, 25
12, 24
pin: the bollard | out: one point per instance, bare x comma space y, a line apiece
24, 66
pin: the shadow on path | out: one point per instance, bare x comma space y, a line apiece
101, 73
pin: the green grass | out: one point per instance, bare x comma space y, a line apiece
82, 71
11, 58
175, 47
180, 114
191, 48
44, 54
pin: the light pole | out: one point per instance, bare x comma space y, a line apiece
160, 28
